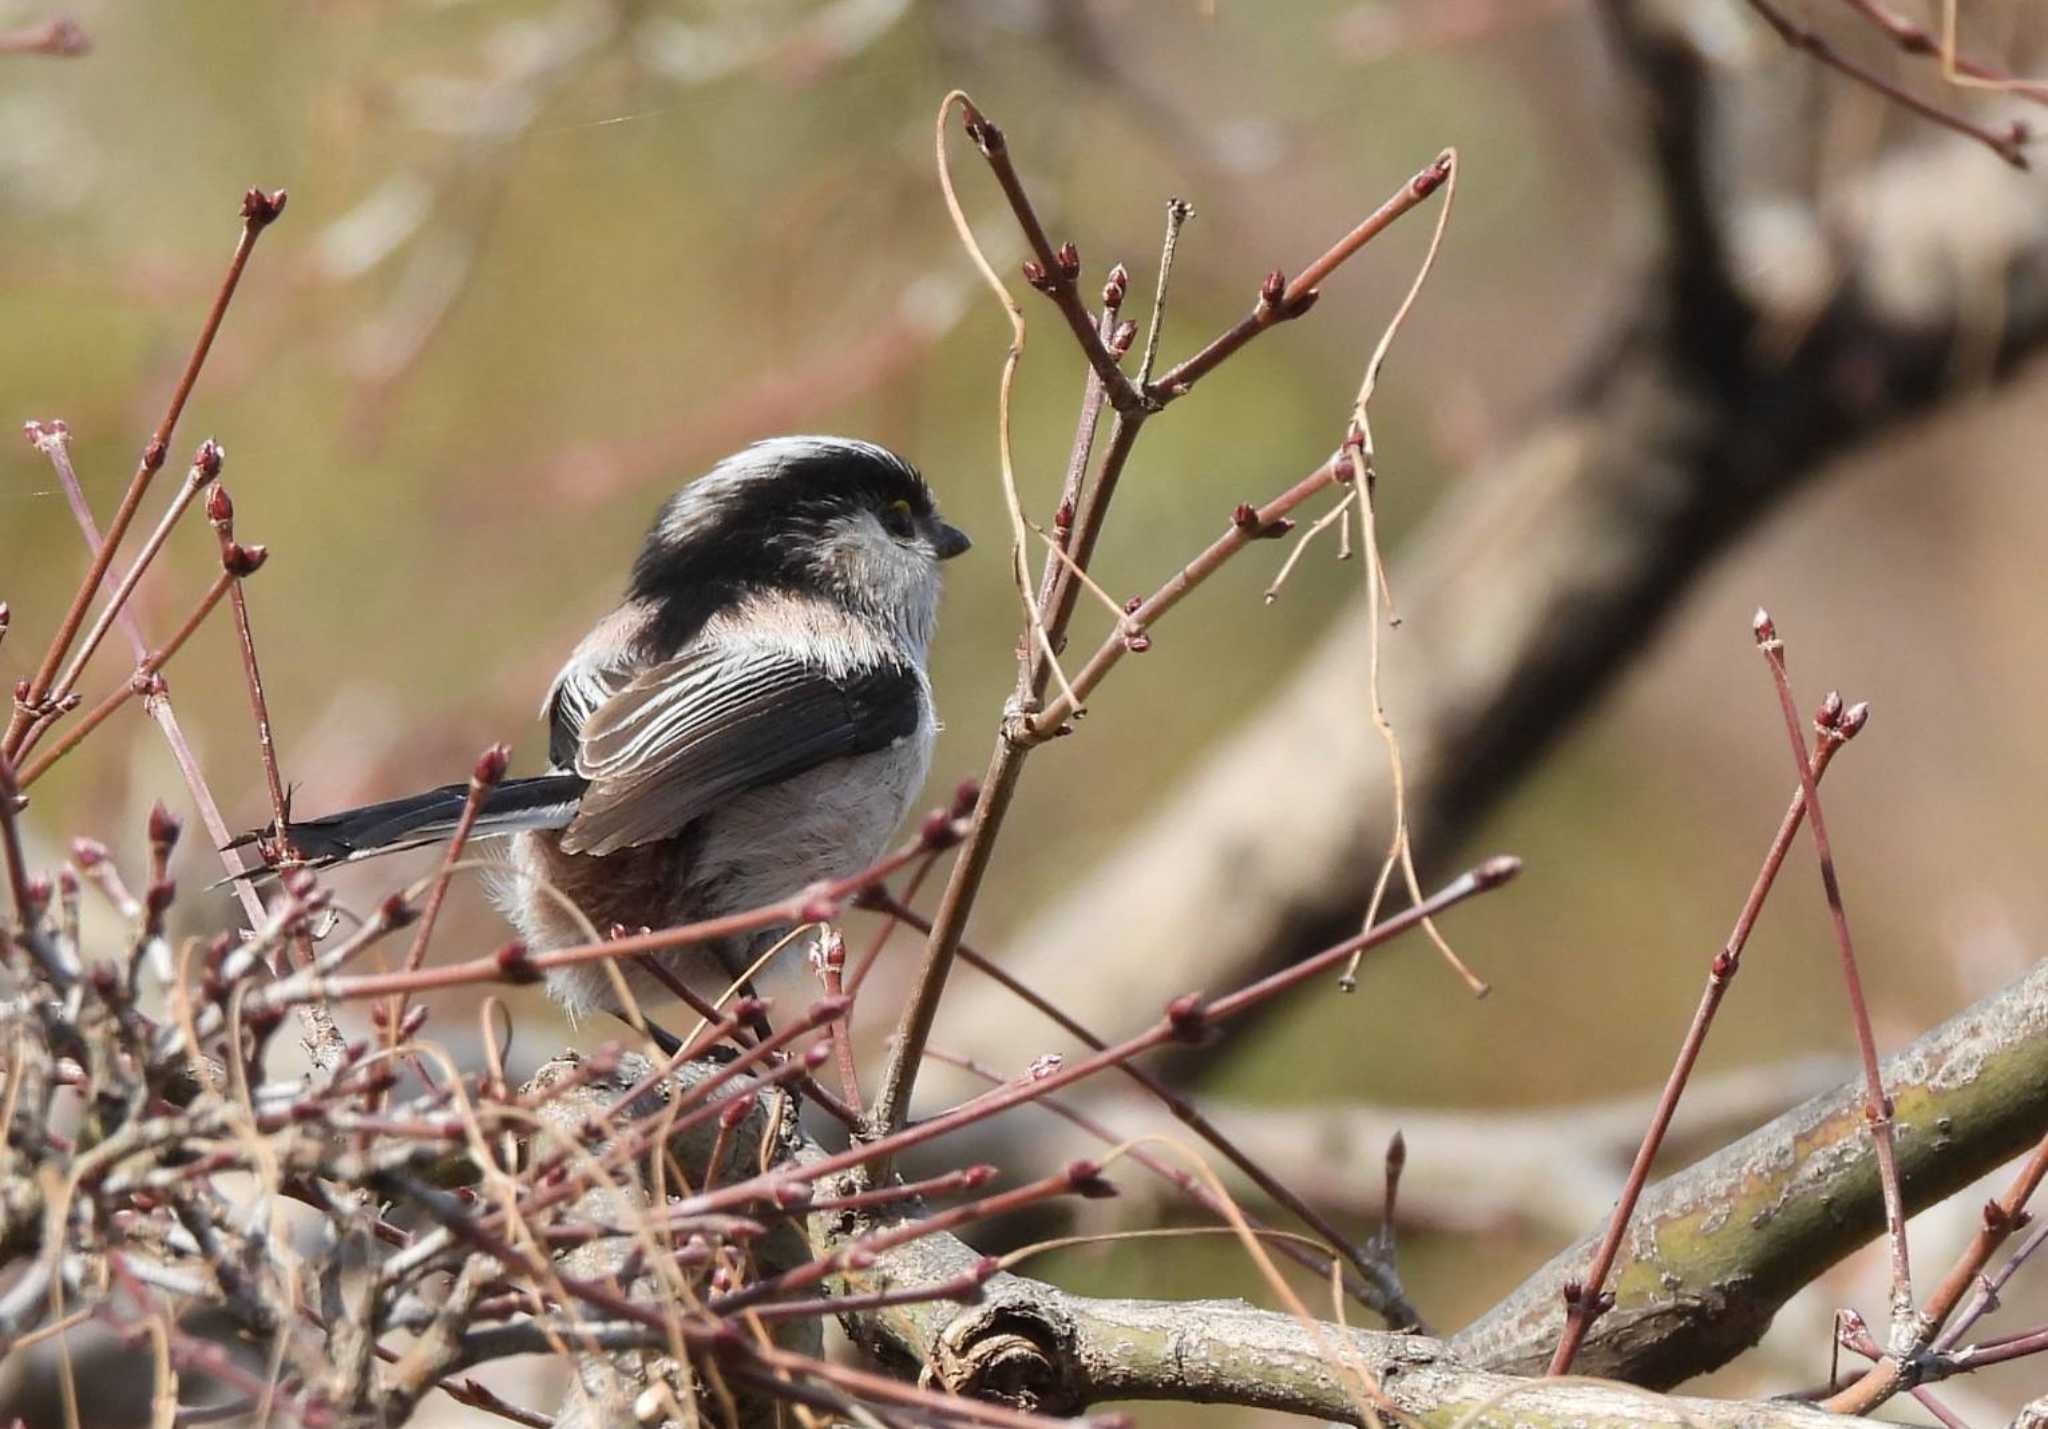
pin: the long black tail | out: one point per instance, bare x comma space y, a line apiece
547, 801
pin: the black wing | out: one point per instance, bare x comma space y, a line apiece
687, 734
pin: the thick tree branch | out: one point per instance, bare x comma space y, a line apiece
1032, 1343
1716, 1248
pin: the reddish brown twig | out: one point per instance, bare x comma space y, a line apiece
220, 513
1928, 1355
1381, 1290
514, 963
1082, 1178
1118, 335
1989, 1286
25, 902
206, 464
474, 1395
1055, 273
859, 976
1197, 1191
1187, 1019
1051, 271
1282, 302
2001, 1218
1915, 39
484, 776
831, 964
1247, 524
2008, 143
1586, 1300
53, 439
144, 680
259, 211
1877, 1109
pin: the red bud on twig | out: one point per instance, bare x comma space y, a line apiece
941, 831
395, 912
515, 964
491, 765
965, 796
260, 209
1114, 287
164, 827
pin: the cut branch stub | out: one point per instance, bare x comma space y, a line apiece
1014, 1350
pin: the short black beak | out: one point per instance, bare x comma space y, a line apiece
948, 541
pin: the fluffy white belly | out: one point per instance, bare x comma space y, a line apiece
828, 822
763, 845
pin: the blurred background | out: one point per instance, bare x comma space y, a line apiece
544, 261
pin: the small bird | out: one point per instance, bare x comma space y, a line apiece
754, 716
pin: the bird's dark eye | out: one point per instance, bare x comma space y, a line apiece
896, 519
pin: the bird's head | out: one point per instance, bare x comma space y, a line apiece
823, 517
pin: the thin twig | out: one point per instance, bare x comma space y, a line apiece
53, 439
830, 961
142, 682
1247, 524
1056, 269
1282, 303
1178, 212
514, 963
2001, 1218
1030, 674
1877, 1109
259, 211
1187, 1018
205, 468
485, 776
220, 512
1988, 1288
1914, 39
1034, 614
1381, 1291
1329, 518
1277, 302
2009, 144
1360, 455
1591, 1300
1901, 1366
